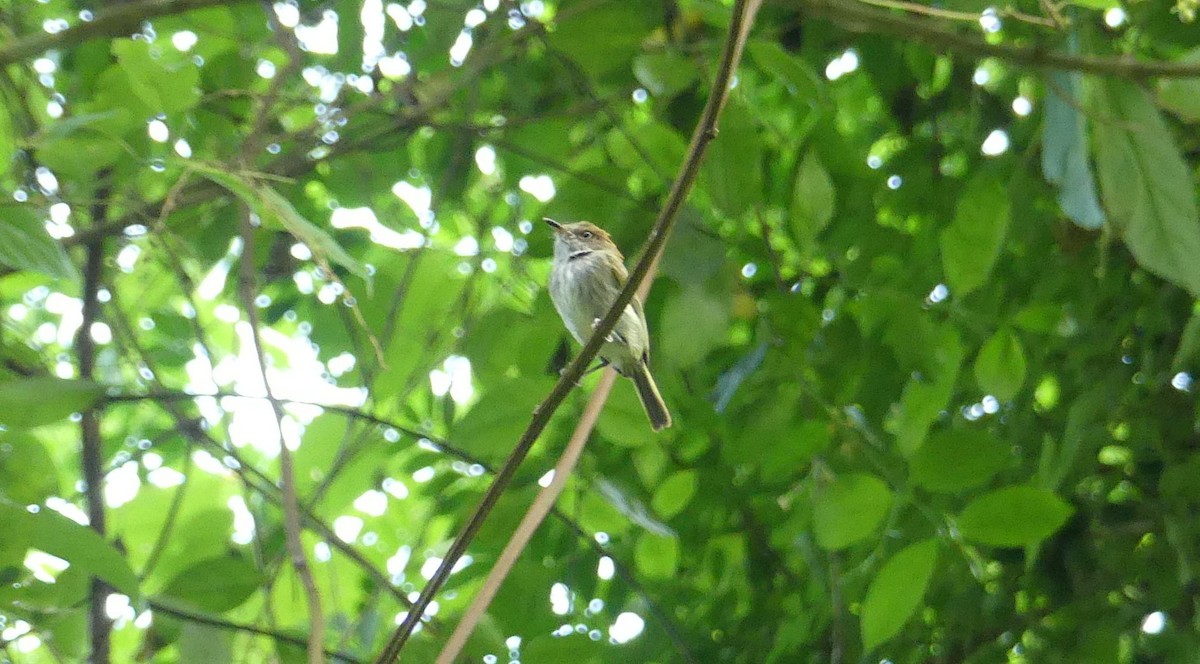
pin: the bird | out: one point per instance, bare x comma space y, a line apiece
588, 274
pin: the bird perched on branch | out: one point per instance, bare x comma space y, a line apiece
589, 272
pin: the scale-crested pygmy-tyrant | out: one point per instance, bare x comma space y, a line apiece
589, 272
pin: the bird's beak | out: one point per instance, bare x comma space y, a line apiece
553, 224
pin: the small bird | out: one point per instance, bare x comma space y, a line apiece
589, 272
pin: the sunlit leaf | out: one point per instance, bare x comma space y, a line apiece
31, 402
896, 592
849, 510
1014, 516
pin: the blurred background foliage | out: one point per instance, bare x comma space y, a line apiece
926, 328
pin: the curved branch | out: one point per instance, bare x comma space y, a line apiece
221, 623
121, 19
705, 132
857, 17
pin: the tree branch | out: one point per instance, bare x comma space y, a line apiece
213, 621
857, 17
92, 444
705, 132
291, 505
121, 19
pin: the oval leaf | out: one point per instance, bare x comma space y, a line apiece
813, 199
849, 510
897, 591
1146, 184
216, 584
1000, 366
31, 402
25, 245
951, 461
1013, 517
79, 545
674, 493
657, 556
971, 244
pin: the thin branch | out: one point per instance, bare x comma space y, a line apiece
92, 443
705, 132
856, 17
291, 505
951, 15
221, 623
529, 523
121, 19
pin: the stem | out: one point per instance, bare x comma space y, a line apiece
705, 132
92, 452
291, 505
121, 19
857, 17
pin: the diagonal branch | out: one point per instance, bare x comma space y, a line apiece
121, 19
705, 132
857, 17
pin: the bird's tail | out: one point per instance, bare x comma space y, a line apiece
652, 401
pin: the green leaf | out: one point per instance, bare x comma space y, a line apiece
25, 245
693, 323
795, 73
202, 643
1015, 516
27, 472
958, 459
495, 422
656, 556
1065, 157
926, 395
849, 510
8, 145
897, 591
273, 208
1181, 96
674, 493
623, 26
79, 545
1146, 185
217, 584
164, 86
665, 74
972, 242
1096, 4
1000, 365
31, 402
814, 200
1189, 343
733, 170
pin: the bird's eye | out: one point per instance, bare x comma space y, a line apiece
587, 235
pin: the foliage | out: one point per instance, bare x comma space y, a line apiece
926, 329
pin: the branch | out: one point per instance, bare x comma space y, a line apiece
221, 623
122, 19
705, 132
291, 504
91, 440
857, 17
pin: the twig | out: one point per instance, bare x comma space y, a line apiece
859, 18
951, 15
705, 132
92, 457
533, 518
121, 19
291, 506
221, 623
